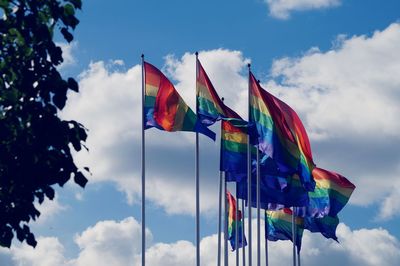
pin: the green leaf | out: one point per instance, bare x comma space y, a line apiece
69, 10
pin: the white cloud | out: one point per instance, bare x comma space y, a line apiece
109, 106
49, 209
48, 252
348, 99
67, 54
117, 243
281, 9
110, 243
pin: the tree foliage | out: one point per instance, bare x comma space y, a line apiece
35, 144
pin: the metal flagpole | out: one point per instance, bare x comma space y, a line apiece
298, 258
237, 227
258, 210
243, 249
225, 224
266, 237
220, 203
197, 182
294, 236
249, 177
143, 172
219, 218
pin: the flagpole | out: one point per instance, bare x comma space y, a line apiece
219, 219
197, 182
266, 238
237, 227
298, 258
143, 172
258, 210
243, 249
294, 236
249, 177
225, 224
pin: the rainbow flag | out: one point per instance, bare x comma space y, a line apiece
272, 196
278, 226
210, 107
331, 194
232, 220
233, 153
326, 225
165, 109
281, 134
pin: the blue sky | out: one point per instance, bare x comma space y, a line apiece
336, 62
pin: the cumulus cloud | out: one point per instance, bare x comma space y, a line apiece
49, 209
109, 106
116, 243
282, 9
348, 99
67, 54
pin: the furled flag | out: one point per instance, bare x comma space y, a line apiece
279, 226
232, 220
281, 134
165, 109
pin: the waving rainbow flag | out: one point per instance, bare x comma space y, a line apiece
281, 135
278, 226
331, 194
232, 220
326, 225
165, 109
210, 108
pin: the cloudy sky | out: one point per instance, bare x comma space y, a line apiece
336, 62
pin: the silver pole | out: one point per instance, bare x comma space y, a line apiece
243, 249
266, 238
143, 172
219, 218
298, 259
237, 227
294, 236
197, 184
258, 210
249, 177
225, 224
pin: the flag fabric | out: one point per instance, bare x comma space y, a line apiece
278, 226
332, 192
326, 225
233, 153
165, 109
232, 220
271, 197
210, 107
281, 134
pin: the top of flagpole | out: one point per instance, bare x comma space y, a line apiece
249, 65
196, 53
142, 55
